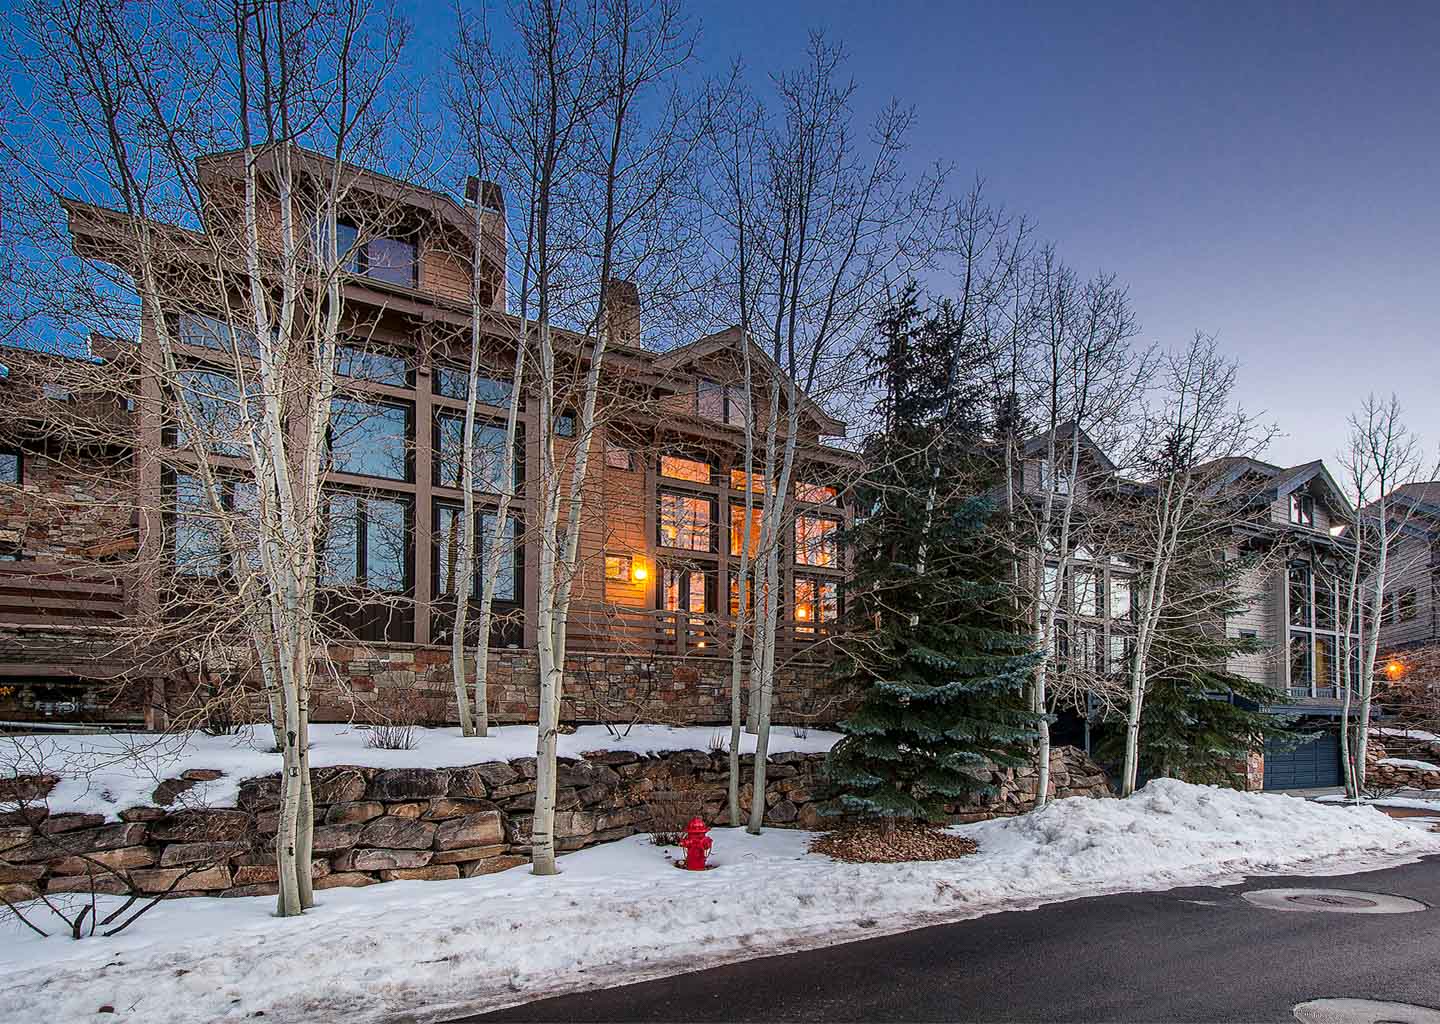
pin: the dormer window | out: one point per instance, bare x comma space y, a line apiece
393, 260
1302, 509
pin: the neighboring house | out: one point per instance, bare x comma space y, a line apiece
652, 619
1411, 617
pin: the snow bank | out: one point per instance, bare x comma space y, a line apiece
619, 912
1416, 803
104, 774
1405, 762
1410, 734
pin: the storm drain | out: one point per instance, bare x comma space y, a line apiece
1333, 901
1364, 1011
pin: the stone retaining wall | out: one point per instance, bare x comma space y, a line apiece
1394, 776
379, 825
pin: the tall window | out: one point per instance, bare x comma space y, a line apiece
488, 456
816, 541
370, 438
1314, 629
686, 521
1122, 650
817, 603
214, 400
1087, 593
366, 543
449, 535
1302, 509
1121, 605
686, 589
195, 525
738, 479
10, 469
740, 536
454, 382
1301, 607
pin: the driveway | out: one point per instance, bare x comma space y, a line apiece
1194, 954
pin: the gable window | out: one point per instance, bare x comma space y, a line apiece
11, 470
488, 456
816, 541
1302, 509
710, 399
370, 438
366, 543
454, 382
686, 521
677, 467
450, 536
1054, 479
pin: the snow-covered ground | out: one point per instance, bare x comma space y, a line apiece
1405, 762
620, 912
1423, 800
1411, 734
104, 774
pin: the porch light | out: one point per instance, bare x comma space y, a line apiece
802, 613
1394, 669
638, 571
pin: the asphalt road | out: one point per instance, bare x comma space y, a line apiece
1195, 954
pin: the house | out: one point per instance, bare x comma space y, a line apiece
82, 525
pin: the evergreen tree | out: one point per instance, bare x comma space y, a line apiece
1199, 721
931, 630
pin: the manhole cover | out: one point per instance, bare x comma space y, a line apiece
1333, 901
1364, 1011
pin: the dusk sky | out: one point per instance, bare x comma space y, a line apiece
1269, 173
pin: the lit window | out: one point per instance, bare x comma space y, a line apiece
617, 567
816, 494
737, 481
686, 521
685, 590
817, 603
1302, 509
739, 535
678, 468
816, 541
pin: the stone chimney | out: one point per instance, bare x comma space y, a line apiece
622, 310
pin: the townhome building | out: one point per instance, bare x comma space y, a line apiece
656, 594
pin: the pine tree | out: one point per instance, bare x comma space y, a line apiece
931, 631
1200, 721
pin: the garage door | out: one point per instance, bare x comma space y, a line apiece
1312, 764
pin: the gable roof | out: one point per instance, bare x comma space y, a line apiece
1064, 431
1278, 481
729, 339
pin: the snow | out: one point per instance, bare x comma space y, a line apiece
620, 912
1418, 803
106, 773
1404, 762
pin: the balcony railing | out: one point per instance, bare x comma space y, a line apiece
614, 630
47, 594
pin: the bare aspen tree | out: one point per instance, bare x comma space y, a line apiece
1175, 507
220, 146
1383, 455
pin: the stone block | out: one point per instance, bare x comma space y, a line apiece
17, 892
379, 860
155, 880
12, 836
334, 838
252, 889
111, 884
481, 828
179, 854
410, 809
455, 807
491, 865
396, 833
432, 873
143, 813
782, 813
57, 823
408, 784
337, 785
123, 859
354, 811
203, 826
468, 853
345, 880
11, 874
107, 837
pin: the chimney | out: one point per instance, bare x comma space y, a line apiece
622, 311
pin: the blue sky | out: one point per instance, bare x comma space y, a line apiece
1266, 172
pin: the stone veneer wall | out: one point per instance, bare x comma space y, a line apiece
379, 825
1394, 776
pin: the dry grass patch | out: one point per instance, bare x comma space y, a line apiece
872, 843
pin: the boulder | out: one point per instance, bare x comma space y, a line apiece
143, 813
107, 837
12, 836
12, 874
455, 807
408, 784
17, 892
179, 854
123, 859
468, 782
491, 865
468, 853
27, 787
337, 785
262, 794
379, 860
496, 773
57, 823
209, 826
396, 833
782, 813
573, 824
354, 811
481, 828
334, 838
524, 766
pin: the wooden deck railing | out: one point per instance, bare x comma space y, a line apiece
612, 630
48, 594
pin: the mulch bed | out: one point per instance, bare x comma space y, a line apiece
904, 841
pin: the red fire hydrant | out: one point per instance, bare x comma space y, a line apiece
697, 843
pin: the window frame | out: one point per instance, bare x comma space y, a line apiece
407, 407
14, 452
440, 505
661, 493
439, 458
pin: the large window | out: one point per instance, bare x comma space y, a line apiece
1088, 598
1302, 509
1302, 608
370, 438
449, 536
374, 365
195, 524
817, 603
741, 537
686, 589
686, 521
454, 382
816, 494
366, 543
214, 401
816, 541
384, 259
677, 467
213, 333
488, 456
1313, 628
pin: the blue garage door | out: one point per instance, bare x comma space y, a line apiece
1312, 764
